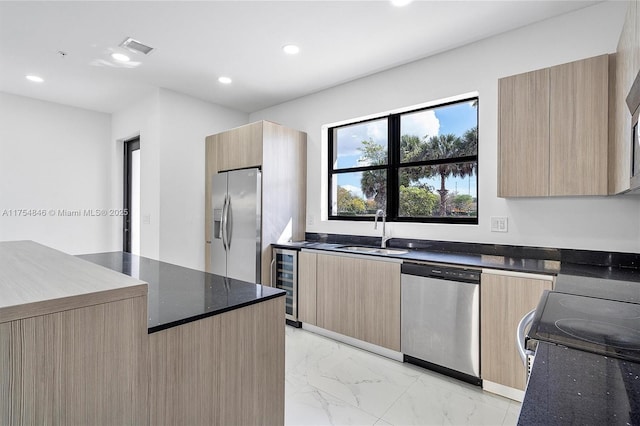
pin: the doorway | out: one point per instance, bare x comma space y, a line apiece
131, 225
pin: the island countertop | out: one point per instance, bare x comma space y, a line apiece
574, 385
178, 295
570, 386
38, 280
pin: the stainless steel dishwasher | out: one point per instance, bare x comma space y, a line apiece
441, 319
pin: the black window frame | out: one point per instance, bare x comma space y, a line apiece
394, 164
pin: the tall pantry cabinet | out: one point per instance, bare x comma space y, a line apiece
281, 153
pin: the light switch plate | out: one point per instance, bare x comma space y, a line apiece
499, 224
146, 219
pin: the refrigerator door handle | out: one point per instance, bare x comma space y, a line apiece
227, 225
223, 224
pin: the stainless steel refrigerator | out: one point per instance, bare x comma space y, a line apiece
236, 202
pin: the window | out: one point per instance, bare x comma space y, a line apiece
417, 166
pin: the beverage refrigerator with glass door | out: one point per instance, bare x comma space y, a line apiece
284, 275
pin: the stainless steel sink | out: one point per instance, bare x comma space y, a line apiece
373, 250
391, 251
359, 248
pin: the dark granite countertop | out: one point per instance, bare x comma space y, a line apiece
592, 264
572, 387
178, 295
476, 260
621, 284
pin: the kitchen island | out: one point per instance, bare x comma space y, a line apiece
79, 344
216, 345
73, 340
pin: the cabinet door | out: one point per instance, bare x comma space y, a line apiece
307, 271
579, 109
504, 300
620, 118
635, 7
240, 148
336, 293
523, 169
359, 298
211, 161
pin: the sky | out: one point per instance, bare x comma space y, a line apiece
455, 118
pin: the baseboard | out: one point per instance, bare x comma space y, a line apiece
379, 350
502, 390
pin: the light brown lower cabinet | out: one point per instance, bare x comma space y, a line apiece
504, 300
76, 367
307, 287
227, 369
359, 298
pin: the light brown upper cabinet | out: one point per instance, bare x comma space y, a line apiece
239, 148
524, 135
281, 153
625, 67
579, 117
553, 131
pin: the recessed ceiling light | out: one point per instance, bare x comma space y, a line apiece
34, 78
290, 49
224, 80
400, 3
120, 57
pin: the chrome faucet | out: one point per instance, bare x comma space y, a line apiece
382, 214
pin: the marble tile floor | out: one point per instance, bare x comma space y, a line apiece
332, 383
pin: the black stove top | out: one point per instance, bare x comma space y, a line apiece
606, 327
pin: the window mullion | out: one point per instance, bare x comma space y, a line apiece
393, 189
330, 172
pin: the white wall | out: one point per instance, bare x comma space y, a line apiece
140, 119
54, 157
184, 124
599, 223
172, 129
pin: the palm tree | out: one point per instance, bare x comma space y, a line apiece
470, 141
374, 182
448, 146
416, 149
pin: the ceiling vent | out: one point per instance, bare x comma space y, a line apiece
136, 46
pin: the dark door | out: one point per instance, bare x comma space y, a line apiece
131, 228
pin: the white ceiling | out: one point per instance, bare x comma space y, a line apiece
195, 42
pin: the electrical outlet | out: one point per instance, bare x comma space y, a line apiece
310, 220
499, 224
146, 219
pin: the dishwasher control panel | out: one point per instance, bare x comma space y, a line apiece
444, 272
